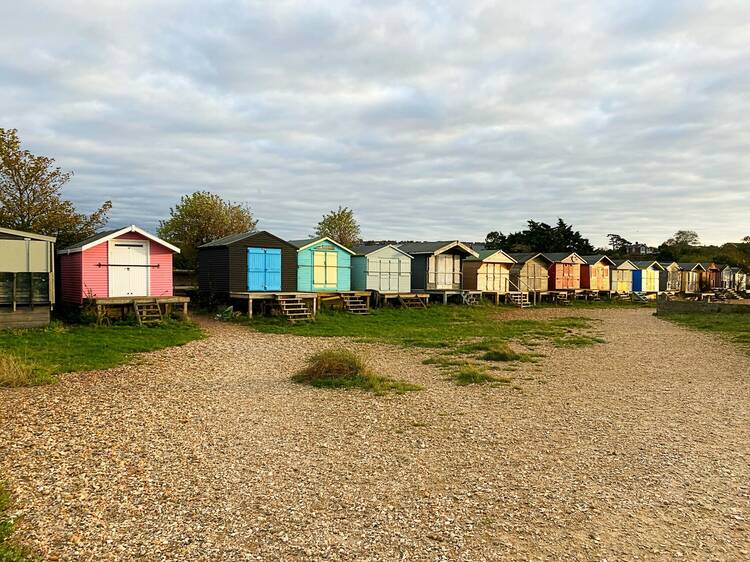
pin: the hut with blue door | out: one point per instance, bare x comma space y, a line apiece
254, 262
323, 266
646, 276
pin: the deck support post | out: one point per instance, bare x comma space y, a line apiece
249, 306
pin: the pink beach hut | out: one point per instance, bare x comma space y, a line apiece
125, 263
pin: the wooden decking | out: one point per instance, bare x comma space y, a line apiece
145, 308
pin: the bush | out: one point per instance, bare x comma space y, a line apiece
341, 368
14, 371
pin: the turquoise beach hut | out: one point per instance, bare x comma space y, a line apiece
323, 266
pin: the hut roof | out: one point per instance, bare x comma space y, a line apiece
233, 238
109, 235
435, 247
555, 257
482, 255
524, 257
647, 264
366, 249
596, 258
691, 266
305, 242
22, 234
620, 263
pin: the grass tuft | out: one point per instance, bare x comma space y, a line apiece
10, 552
15, 372
341, 368
577, 340
469, 374
501, 353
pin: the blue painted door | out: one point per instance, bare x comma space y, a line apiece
637, 281
263, 269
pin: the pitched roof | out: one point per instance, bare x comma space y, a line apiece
647, 264
305, 242
22, 234
690, 266
365, 249
596, 258
484, 254
435, 247
620, 263
557, 256
526, 256
109, 235
232, 238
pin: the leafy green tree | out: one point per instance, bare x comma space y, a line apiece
31, 196
617, 242
340, 225
684, 238
542, 237
200, 218
495, 240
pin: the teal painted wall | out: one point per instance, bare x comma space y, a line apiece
305, 269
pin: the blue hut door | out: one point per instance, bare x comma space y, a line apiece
637, 281
263, 269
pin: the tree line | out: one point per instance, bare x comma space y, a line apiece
31, 200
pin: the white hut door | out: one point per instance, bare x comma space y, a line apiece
128, 271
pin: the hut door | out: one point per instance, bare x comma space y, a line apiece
444, 271
325, 269
263, 269
389, 274
128, 268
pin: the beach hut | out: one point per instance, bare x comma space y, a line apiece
124, 263
530, 273
565, 271
670, 278
741, 281
646, 276
710, 277
384, 268
488, 272
27, 281
622, 277
437, 266
595, 273
246, 262
323, 266
690, 277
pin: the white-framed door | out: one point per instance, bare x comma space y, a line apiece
129, 273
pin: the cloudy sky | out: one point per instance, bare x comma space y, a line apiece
433, 120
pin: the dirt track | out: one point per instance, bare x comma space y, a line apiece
635, 449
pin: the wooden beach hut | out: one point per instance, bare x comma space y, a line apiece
565, 271
646, 276
595, 273
127, 262
530, 273
437, 266
690, 277
247, 262
622, 277
488, 272
323, 266
711, 276
670, 278
27, 280
384, 268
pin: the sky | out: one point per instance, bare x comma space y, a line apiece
432, 120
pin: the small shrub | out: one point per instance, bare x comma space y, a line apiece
14, 372
472, 375
341, 368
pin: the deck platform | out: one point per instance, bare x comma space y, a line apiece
251, 297
103, 305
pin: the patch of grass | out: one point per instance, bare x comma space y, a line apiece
502, 354
15, 371
734, 327
10, 552
44, 353
341, 368
577, 340
469, 374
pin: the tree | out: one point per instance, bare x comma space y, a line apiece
617, 242
340, 225
541, 237
495, 240
746, 239
200, 218
684, 238
31, 198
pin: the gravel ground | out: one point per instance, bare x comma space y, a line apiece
635, 449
